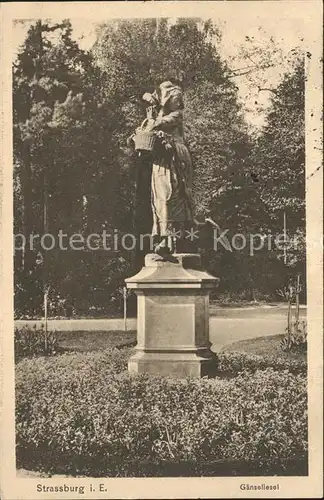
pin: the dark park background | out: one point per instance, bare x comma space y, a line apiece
73, 111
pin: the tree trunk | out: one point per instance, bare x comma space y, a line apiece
26, 182
45, 257
297, 301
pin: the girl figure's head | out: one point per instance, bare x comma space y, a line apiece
169, 90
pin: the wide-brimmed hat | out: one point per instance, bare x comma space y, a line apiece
168, 90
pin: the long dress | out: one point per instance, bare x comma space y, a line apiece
171, 174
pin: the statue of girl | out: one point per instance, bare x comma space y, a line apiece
171, 182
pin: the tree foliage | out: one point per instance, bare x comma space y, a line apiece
279, 154
73, 111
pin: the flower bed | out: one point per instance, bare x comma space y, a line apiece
84, 414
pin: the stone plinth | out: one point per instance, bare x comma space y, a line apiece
173, 317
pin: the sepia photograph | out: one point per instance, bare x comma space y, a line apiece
163, 239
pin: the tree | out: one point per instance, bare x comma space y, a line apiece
278, 160
269, 183
260, 63
48, 76
77, 119
73, 111
279, 154
136, 55
68, 173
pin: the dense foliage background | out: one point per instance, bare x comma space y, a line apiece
73, 111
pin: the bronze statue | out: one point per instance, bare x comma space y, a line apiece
171, 181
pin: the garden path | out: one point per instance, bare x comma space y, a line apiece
227, 325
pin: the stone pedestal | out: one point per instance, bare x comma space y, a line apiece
173, 317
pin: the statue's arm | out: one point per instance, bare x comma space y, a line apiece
173, 118
169, 121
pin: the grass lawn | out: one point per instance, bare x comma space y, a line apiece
264, 346
85, 341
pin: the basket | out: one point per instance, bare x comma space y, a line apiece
144, 139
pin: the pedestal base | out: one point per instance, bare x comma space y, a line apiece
173, 364
173, 317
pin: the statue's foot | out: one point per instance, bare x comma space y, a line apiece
162, 250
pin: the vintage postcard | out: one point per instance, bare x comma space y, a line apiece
161, 250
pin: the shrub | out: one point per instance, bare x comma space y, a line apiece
31, 342
83, 414
296, 340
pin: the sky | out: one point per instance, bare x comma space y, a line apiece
286, 33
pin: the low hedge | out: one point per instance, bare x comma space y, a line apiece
83, 414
